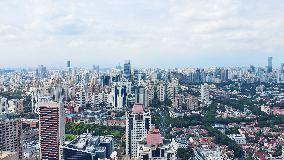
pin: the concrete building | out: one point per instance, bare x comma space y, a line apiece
3, 105
138, 122
16, 106
80, 98
240, 139
11, 136
51, 130
207, 154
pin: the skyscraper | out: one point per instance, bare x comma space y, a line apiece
51, 130
205, 99
68, 64
138, 123
11, 135
269, 67
127, 70
282, 68
119, 95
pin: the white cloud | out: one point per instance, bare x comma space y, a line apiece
120, 29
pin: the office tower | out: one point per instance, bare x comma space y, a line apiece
205, 94
282, 68
224, 75
127, 70
138, 122
68, 64
11, 135
141, 95
51, 130
41, 71
269, 67
119, 93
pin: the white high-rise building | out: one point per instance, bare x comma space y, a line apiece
119, 95
11, 136
138, 122
205, 97
51, 130
80, 99
141, 96
161, 91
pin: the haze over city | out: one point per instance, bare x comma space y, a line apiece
162, 33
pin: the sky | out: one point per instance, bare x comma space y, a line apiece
151, 33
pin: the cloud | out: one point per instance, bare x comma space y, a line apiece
191, 29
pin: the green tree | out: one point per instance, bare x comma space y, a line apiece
185, 153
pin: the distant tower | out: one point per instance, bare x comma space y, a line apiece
138, 123
127, 70
269, 67
51, 130
68, 64
282, 68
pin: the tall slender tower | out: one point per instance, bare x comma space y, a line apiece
51, 130
127, 70
205, 97
269, 67
138, 123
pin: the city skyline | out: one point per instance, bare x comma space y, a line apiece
151, 34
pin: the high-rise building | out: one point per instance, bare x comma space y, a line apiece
127, 70
205, 99
41, 71
119, 93
161, 92
51, 130
68, 64
81, 97
11, 135
282, 68
269, 67
138, 123
141, 95
224, 75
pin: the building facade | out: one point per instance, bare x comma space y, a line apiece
11, 136
138, 122
51, 130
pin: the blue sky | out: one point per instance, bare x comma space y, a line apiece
152, 33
